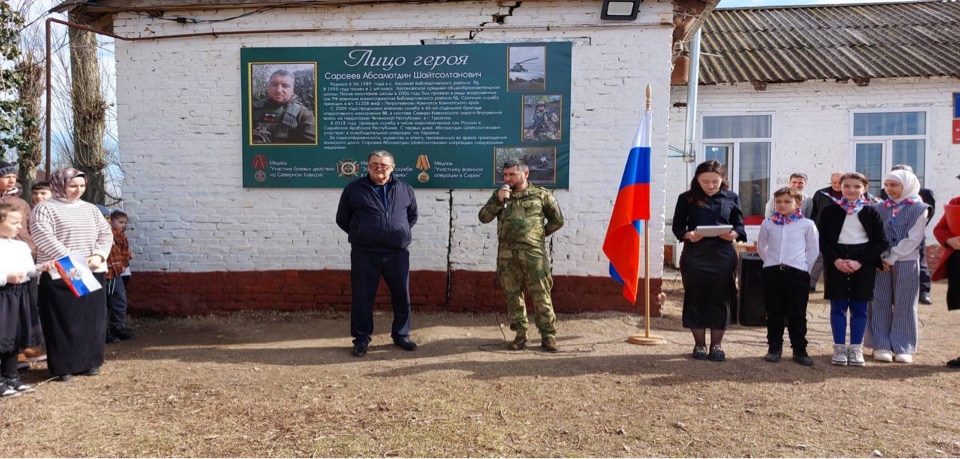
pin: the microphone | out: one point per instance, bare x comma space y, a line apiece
505, 200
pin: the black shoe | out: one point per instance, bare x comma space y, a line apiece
91, 372
360, 349
925, 298
717, 354
405, 344
64, 378
700, 352
111, 339
773, 354
955, 363
124, 334
19, 386
813, 288
803, 359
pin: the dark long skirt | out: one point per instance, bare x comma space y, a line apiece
75, 329
708, 268
19, 322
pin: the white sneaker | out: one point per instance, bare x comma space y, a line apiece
882, 355
904, 358
7, 391
855, 355
839, 354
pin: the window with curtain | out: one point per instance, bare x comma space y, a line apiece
743, 143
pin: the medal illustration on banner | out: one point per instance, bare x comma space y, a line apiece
423, 163
260, 163
349, 168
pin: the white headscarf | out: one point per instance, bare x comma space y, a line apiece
911, 185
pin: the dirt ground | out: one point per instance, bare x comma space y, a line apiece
285, 384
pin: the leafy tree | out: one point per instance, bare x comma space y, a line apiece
12, 117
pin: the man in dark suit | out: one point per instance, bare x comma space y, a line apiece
926, 195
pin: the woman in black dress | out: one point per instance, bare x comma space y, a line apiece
708, 264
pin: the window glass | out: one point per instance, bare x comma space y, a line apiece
910, 152
733, 127
902, 123
717, 153
754, 186
869, 162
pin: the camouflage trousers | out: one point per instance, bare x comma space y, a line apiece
527, 269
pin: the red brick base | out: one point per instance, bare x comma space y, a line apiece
181, 294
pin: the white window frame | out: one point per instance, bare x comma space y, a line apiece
887, 140
733, 164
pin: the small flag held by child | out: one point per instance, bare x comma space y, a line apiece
74, 271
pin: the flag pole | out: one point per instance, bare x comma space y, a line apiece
646, 339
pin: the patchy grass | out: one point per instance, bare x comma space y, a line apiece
285, 385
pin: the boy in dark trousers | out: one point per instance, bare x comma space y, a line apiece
117, 262
788, 245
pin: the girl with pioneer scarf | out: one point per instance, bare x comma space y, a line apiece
851, 240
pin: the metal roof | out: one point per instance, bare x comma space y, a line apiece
858, 42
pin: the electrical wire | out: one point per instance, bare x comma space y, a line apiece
186, 20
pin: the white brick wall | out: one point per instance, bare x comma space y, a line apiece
812, 128
179, 124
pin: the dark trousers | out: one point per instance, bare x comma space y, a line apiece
8, 365
786, 291
116, 305
953, 281
366, 268
925, 280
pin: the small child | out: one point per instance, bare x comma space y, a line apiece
19, 324
117, 262
852, 238
892, 318
39, 192
788, 245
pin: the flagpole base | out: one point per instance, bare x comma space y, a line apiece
645, 340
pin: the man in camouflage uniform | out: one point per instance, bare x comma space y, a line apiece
526, 214
544, 124
282, 117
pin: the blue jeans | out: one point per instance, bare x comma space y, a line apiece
116, 305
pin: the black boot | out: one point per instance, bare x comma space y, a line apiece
773, 353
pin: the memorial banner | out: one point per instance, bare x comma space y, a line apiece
450, 114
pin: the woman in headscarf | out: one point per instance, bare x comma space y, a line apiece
892, 317
74, 328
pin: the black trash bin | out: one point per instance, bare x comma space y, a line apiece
751, 311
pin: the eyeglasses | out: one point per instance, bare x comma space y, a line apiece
380, 167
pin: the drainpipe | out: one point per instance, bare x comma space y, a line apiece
690, 153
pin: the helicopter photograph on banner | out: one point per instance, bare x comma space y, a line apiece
526, 64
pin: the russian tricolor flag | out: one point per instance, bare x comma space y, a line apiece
622, 244
74, 271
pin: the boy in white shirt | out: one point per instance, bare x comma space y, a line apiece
788, 245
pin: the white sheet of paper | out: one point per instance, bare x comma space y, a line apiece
713, 231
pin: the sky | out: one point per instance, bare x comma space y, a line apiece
748, 3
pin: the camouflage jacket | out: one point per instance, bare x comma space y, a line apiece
292, 122
528, 217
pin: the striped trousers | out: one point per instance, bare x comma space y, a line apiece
892, 315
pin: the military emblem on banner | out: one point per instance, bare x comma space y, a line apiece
260, 163
348, 168
423, 163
